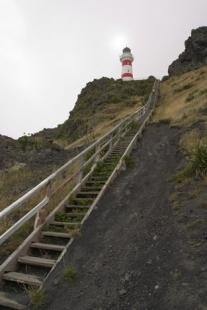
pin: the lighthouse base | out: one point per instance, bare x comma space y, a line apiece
127, 78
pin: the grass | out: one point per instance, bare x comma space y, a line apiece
80, 201
13, 242
184, 87
37, 296
196, 164
65, 217
70, 274
75, 233
196, 94
175, 107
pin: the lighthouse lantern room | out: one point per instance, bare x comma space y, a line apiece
126, 59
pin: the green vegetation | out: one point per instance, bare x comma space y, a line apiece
196, 164
99, 101
80, 201
70, 274
66, 217
37, 296
184, 87
27, 143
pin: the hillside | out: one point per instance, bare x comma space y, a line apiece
158, 207
144, 246
100, 105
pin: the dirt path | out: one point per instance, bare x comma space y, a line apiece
130, 255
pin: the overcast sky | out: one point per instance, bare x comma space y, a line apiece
49, 50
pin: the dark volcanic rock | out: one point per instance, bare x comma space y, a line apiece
195, 54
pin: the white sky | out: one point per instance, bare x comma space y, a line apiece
49, 50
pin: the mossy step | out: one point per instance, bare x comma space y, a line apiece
76, 214
118, 153
68, 217
98, 177
76, 208
87, 194
91, 189
93, 182
102, 174
82, 201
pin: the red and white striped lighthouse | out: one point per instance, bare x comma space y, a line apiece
126, 59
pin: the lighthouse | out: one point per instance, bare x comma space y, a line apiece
126, 59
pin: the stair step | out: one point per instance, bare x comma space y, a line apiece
59, 223
76, 214
90, 188
92, 182
96, 177
36, 261
56, 234
47, 246
108, 162
71, 206
115, 152
6, 301
22, 278
87, 194
100, 175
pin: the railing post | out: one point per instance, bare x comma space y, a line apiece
42, 213
80, 173
97, 150
110, 144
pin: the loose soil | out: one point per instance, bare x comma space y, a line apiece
132, 254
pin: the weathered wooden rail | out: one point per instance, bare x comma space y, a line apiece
76, 186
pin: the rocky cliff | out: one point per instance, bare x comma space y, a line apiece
195, 54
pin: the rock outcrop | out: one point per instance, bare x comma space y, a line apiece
195, 54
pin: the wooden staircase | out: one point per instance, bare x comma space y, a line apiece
55, 237
42, 255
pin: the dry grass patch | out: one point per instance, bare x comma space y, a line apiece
174, 105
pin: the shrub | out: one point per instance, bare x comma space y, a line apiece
197, 163
70, 274
36, 296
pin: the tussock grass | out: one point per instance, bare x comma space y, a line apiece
36, 296
70, 274
196, 164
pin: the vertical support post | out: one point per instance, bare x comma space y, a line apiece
42, 213
80, 174
97, 150
110, 143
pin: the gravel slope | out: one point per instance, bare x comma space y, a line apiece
131, 255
